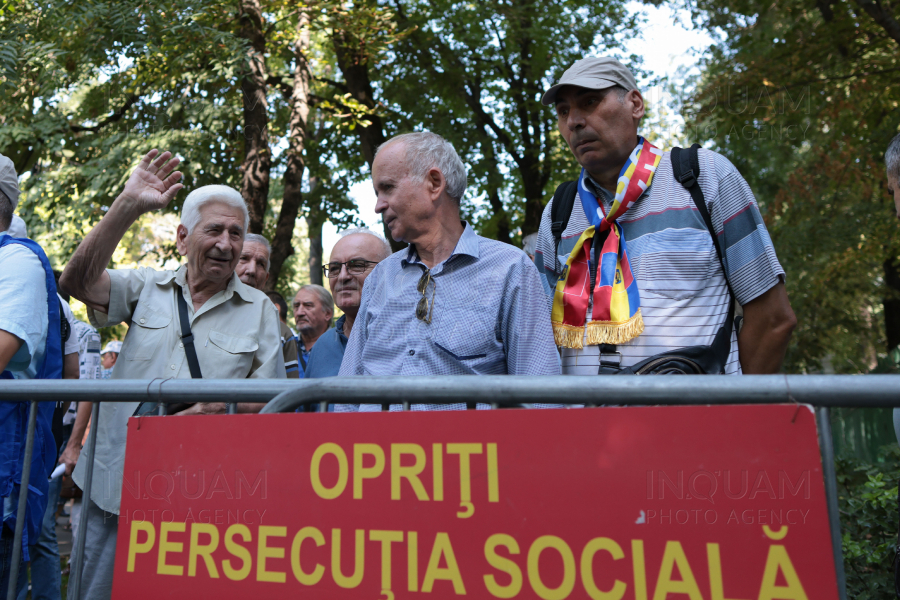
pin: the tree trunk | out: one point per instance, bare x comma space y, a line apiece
314, 221
533, 183
502, 218
892, 304
282, 247
354, 64
257, 158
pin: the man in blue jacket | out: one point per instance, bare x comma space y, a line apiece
30, 348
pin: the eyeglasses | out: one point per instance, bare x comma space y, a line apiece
424, 307
354, 267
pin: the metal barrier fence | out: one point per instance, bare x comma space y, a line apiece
820, 391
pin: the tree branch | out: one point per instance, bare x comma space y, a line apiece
883, 17
116, 116
341, 86
470, 89
278, 82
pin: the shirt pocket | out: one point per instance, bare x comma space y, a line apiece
472, 343
148, 329
229, 356
678, 266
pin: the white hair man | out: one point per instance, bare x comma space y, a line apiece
253, 270
453, 303
352, 259
234, 331
313, 310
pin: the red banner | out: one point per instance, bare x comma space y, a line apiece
711, 503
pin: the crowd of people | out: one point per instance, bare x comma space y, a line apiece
638, 267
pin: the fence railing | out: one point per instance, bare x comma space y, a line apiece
821, 391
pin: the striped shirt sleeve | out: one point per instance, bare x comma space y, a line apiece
751, 265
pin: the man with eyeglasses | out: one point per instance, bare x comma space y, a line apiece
453, 303
354, 256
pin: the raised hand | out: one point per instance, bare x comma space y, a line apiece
153, 183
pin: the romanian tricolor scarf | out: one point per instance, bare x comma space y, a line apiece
616, 315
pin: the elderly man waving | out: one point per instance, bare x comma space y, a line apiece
235, 331
453, 303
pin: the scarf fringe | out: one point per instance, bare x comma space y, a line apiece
598, 332
568, 336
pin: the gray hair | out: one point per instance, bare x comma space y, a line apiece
324, 295
386, 248
6, 212
259, 239
892, 157
529, 243
190, 212
426, 150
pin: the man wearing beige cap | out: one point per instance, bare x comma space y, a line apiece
647, 252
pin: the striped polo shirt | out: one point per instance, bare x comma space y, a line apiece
684, 296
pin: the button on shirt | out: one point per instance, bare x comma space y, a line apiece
236, 334
490, 316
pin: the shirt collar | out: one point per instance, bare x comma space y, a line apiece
599, 190
235, 285
339, 325
467, 244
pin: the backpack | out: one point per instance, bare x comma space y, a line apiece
694, 360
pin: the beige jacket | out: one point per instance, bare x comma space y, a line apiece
236, 334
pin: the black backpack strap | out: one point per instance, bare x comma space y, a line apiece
65, 328
686, 168
560, 211
187, 338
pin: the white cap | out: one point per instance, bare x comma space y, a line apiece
9, 181
113, 346
17, 228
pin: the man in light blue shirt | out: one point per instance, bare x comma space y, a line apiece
30, 348
453, 302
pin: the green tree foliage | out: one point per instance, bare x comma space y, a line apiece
87, 88
802, 96
867, 500
475, 73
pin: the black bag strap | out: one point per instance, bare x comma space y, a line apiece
560, 211
65, 328
302, 361
686, 168
187, 337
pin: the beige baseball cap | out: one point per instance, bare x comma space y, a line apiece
9, 181
593, 73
